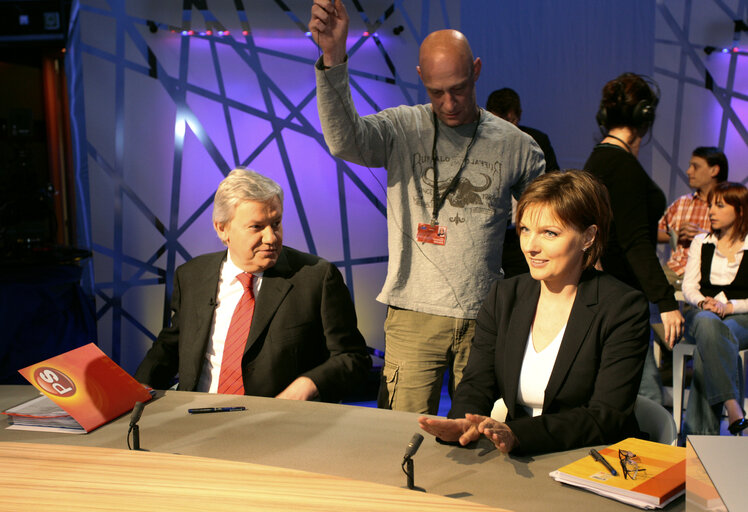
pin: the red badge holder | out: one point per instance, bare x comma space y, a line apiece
431, 234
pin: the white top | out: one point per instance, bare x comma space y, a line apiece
230, 290
536, 370
722, 272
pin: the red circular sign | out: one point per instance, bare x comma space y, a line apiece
53, 381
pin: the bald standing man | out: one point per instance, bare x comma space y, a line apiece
452, 169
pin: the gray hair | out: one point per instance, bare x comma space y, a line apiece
242, 185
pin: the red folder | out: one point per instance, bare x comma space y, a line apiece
88, 385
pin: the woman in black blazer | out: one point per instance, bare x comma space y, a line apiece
564, 346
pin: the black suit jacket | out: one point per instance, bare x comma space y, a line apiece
304, 323
591, 392
551, 164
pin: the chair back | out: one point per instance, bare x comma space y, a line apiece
655, 420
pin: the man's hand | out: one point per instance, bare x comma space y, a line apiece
688, 231
672, 322
329, 28
303, 388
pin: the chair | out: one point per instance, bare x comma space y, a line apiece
655, 420
680, 352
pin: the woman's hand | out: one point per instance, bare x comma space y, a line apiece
458, 430
717, 307
497, 432
672, 322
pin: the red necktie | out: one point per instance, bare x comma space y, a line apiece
230, 382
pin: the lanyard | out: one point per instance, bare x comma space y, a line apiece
439, 201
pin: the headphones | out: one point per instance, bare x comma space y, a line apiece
643, 113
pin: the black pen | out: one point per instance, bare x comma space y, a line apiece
203, 410
599, 458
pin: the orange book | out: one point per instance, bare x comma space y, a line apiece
663, 480
86, 384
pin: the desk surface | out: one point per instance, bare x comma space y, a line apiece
35, 476
349, 441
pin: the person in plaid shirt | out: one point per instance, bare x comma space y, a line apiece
689, 214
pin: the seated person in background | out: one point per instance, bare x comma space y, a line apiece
297, 340
505, 104
563, 346
688, 215
716, 282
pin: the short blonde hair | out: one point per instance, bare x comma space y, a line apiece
242, 185
577, 199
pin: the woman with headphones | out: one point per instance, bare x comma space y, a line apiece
626, 114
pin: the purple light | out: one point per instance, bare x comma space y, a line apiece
185, 33
308, 34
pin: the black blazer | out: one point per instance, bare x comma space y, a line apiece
591, 392
304, 323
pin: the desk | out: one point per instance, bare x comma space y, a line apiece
354, 442
36, 476
720, 459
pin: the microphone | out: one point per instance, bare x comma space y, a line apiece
407, 465
137, 411
413, 445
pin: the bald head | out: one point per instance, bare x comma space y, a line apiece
448, 71
446, 44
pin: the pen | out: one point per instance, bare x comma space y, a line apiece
599, 458
203, 410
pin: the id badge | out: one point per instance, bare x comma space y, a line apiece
431, 234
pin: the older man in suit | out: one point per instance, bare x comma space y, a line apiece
259, 318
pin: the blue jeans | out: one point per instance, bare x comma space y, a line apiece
717, 373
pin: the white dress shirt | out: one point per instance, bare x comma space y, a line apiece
230, 290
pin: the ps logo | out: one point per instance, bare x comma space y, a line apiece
54, 381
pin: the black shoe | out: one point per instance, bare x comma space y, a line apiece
736, 427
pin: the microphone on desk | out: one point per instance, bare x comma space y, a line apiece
413, 445
137, 411
410, 451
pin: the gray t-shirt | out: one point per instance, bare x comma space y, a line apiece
453, 279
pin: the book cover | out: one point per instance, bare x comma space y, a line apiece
663, 480
87, 384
